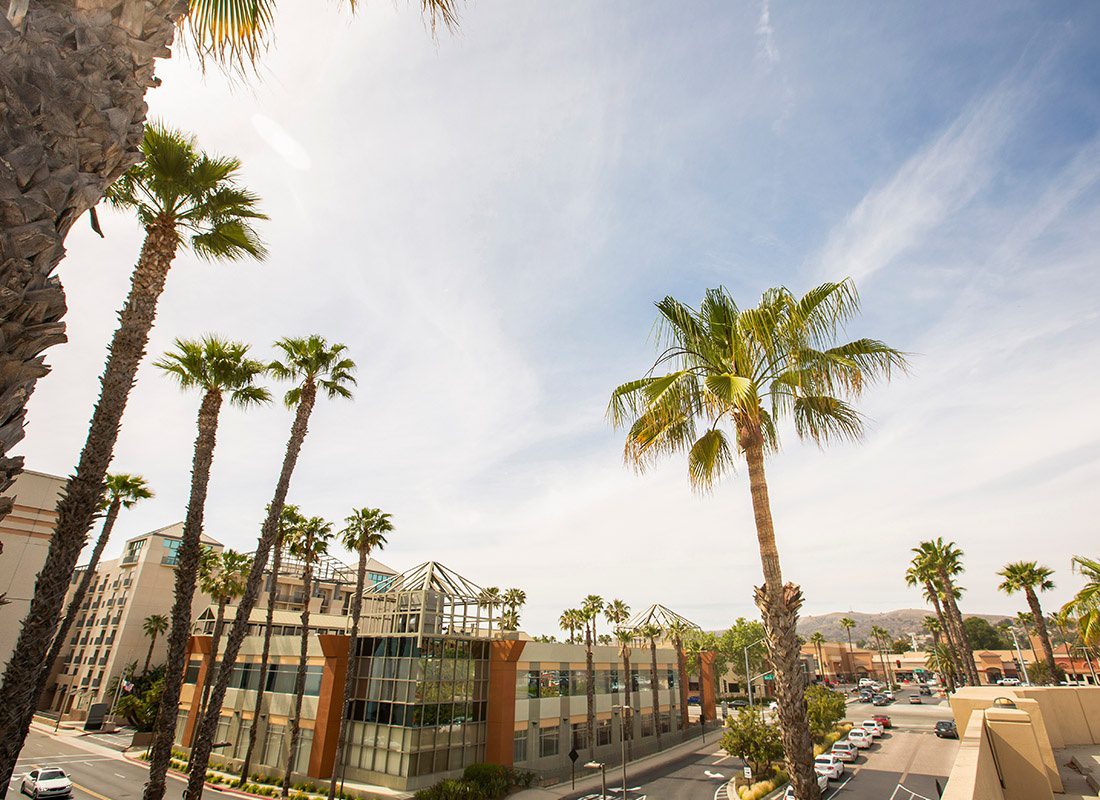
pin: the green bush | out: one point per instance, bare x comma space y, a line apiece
490, 781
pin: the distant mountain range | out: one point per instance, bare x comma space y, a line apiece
901, 622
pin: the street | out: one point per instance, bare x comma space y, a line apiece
97, 773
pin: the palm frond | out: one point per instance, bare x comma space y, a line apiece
709, 459
823, 419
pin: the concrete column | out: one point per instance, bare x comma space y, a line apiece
197, 645
330, 708
1018, 757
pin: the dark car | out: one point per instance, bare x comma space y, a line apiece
945, 729
693, 700
740, 702
880, 700
865, 697
926, 691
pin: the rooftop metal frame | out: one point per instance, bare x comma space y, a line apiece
662, 617
427, 600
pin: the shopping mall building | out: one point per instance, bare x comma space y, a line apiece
439, 687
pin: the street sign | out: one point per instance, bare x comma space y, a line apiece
574, 755
748, 773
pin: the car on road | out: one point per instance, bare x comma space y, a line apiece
865, 697
880, 700
740, 702
693, 700
883, 720
945, 729
846, 751
822, 785
860, 738
829, 765
914, 700
872, 727
865, 682
51, 782
1008, 682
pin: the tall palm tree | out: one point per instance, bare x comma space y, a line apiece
489, 598
922, 572
652, 632
289, 519
881, 637
307, 543
180, 196
940, 661
847, 623
513, 600
1086, 603
739, 372
217, 368
152, 626
934, 627
677, 630
817, 639
625, 638
313, 365
122, 491
570, 621
82, 75
946, 559
221, 576
364, 532
1030, 578
590, 609
616, 612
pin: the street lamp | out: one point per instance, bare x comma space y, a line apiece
602, 767
1020, 655
748, 678
622, 738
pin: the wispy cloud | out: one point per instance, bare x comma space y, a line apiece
765, 35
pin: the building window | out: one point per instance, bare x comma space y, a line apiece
527, 684
171, 555
647, 724
578, 684
192, 674
519, 746
133, 549
603, 732
551, 683
548, 741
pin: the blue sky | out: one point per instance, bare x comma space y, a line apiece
487, 219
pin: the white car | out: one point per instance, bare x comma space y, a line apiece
50, 782
860, 738
872, 726
846, 751
822, 785
829, 765
1008, 682
865, 682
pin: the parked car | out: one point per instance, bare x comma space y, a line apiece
846, 751
860, 738
740, 702
926, 691
914, 700
52, 782
822, 785
693, 700
829, 765
1008, 682
872, 727
880, 700
945, 729
865, 682
883, 720
889, 695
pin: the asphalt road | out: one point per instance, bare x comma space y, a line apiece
902, 765
97, 773
695, 776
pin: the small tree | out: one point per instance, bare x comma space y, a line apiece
753, 740
824, 709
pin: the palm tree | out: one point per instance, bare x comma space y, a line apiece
513, 600
881, 638
922, 572
364, 532
847, 623
569, 621
180, 195
509, 620
217, 368
122, 491
489, 598
289, 519
676, 632
946, 560
78, 126
652, 632
306, 543
740, 371
1086, 603
616, 612
221, 576
940, 661
817, 639
152, 626
590, 609
1030, 578
313, 365
625, 638
934, 627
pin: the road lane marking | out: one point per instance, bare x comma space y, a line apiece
86, 790
836, 790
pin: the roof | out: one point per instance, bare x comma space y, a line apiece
429, 576
661, 616
174, 531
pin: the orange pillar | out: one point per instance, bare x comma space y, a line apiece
706, 684
501, 714
196, 645
330, 706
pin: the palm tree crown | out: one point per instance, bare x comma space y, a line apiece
222, 575
178, 187
125, 489
314, 362
154, 625
216, 365
308, 540
365, 530
1021, 575
1086, 603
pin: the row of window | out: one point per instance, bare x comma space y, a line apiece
538, 683
434, 715
548, 738
280, 677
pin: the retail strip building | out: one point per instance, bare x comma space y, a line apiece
438, 688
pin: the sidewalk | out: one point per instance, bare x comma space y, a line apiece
592, 782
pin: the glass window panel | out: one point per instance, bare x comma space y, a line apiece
548, 741
519, 746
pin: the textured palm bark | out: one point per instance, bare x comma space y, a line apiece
779, 604
654, 690
187, 573
299, 682
215, 643
681, 680
149, 653
77, 507
628, 710
201, 746
257, 710
590, 689
78, 596
948, 631
352, 671
1041, 630
73, 77
966, 653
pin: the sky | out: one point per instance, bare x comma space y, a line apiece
486, 218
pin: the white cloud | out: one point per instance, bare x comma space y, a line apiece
765, 35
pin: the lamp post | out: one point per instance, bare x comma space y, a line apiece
602, 767
1023, 664
622, 739
748, 677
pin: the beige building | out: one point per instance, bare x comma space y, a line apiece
108, 634
25, 534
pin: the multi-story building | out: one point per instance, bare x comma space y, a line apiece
439, 687
107, 636
25, 535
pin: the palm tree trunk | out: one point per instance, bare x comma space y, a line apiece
73, 78
1041, 629
79, 595
590, 688
299, 683
353, 666
681, 679
276, 564
149, 655
77, 507
948, 631
655, 691
187, 570
970, 672
215, 643
627, 729
779, 604
201, 746
851, 657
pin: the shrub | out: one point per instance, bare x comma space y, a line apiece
489, 780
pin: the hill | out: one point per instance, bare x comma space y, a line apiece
901, 622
